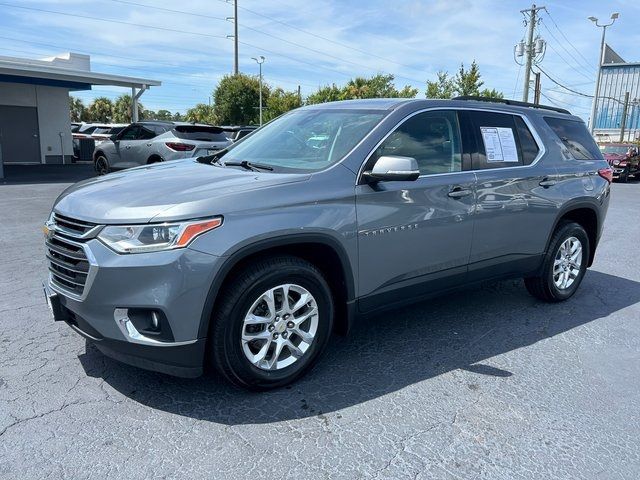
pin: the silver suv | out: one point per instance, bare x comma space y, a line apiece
144, 143
248, 259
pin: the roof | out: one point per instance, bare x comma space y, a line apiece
460, 102
70, 70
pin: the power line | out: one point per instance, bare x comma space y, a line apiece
563, 86
567, 52
323, 38
109, 20
587, 62
262, 32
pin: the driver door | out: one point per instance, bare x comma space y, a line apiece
414, 237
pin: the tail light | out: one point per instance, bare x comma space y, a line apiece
606, 173
180, 147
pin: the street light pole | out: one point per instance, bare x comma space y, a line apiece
260, 61
594, 107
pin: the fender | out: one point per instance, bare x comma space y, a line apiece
279, 241
575, 204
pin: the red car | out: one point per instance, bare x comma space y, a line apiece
623, 158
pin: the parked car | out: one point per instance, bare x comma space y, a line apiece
235, 133
623, 158
248, 259
149, 142
105, 133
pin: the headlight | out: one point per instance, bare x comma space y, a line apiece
616, 162
155, 237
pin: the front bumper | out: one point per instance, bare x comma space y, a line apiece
173, 285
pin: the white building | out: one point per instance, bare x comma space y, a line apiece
34, 105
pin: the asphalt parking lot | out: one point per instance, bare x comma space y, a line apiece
488, 383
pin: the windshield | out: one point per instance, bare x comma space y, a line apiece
619, 149
306, 140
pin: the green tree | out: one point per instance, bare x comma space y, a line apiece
100, 110
467, 82
164, 115
77, 110
377, 86
493, 93
201, 113
177, 117
441, 88
280, 102
237, 99
328, 93
122, 110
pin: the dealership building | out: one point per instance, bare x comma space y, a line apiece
35, 126
618, 77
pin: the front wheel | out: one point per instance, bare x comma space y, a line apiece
102, 165
565, 264
272, 322
624, 176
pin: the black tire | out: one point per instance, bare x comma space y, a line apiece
238, 295
101, 165
624, 176
544, 287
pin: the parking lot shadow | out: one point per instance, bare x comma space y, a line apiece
30, 174
384, 354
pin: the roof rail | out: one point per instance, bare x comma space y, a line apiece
511, 102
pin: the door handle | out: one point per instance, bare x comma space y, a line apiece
459, 192
127, 147
149, 144
547, 182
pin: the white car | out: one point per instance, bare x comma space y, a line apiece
143, 143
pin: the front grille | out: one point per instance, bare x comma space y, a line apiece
68, 263
73, 227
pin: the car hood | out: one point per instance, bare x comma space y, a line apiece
611, 157
166, 191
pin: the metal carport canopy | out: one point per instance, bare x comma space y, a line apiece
39, 74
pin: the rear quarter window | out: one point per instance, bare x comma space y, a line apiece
575, 136
202, 133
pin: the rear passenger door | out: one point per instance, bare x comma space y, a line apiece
136, 151
514, 206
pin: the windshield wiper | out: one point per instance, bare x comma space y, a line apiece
213, 158
255, 167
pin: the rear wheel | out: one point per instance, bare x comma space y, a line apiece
565, 264
272, 323
102, 165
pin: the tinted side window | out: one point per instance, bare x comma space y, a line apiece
432, 138
528, 146
575, 136
145, 133
129, 133
497, 140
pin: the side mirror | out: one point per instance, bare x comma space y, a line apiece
392, 168
114, 137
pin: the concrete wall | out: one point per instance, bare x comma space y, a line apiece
53, 116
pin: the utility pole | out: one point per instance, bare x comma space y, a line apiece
536, 91
235, 37
299, 96
531, 49
594, 107
623, 122
260, 61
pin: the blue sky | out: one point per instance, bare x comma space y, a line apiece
316, 43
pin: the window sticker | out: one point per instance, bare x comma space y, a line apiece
499, 144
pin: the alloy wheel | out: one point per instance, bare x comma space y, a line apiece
567, 263
280, 327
